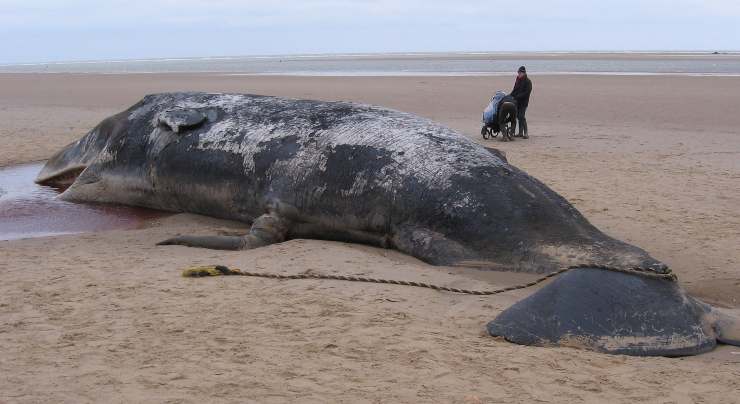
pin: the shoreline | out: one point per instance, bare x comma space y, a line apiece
421, 55
403, 64
382, 74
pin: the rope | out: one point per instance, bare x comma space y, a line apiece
218, 270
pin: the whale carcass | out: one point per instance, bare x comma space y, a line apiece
372, 175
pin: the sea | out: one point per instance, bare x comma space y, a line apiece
412, 64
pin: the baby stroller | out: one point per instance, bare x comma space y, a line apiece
500, 117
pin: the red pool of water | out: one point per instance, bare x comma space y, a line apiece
28, 210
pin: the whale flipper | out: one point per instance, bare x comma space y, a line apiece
266, 229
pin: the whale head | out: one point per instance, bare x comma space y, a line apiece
64, 167
115, 162
107, 163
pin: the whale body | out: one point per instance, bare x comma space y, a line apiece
348, 172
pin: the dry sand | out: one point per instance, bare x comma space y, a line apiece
105, 317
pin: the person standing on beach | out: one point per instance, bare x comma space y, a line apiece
522, 90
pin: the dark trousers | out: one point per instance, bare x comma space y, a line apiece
522, 120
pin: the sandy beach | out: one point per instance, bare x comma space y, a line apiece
106, 317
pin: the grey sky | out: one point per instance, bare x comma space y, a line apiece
34, 31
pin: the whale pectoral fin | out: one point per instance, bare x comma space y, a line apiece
266, 229
210, 242
611, 312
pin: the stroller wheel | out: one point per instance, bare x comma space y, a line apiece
505, 134
484, 131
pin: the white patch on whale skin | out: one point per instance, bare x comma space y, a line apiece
421, 148
106, 155
158, 139
358, 186
410, 147
217, 137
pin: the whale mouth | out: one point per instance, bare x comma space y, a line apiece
61, 179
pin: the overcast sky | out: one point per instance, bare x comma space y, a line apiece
53, 30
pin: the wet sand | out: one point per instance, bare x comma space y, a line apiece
105, 316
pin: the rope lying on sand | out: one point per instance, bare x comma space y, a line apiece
219, 270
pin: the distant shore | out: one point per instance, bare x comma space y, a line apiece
409, 64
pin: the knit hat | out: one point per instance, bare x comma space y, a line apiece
522, 69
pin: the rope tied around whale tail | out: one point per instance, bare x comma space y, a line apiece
221, 270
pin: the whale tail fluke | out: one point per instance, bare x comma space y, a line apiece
232, 243
618, 313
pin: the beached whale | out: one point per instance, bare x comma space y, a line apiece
354, 173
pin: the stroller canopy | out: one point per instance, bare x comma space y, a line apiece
489, 114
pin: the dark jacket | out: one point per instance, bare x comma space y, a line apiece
522, 90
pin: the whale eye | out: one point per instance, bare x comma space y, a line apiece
177, 119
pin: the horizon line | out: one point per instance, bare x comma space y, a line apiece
371, 54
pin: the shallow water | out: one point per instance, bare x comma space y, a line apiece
413, 64
28, 210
